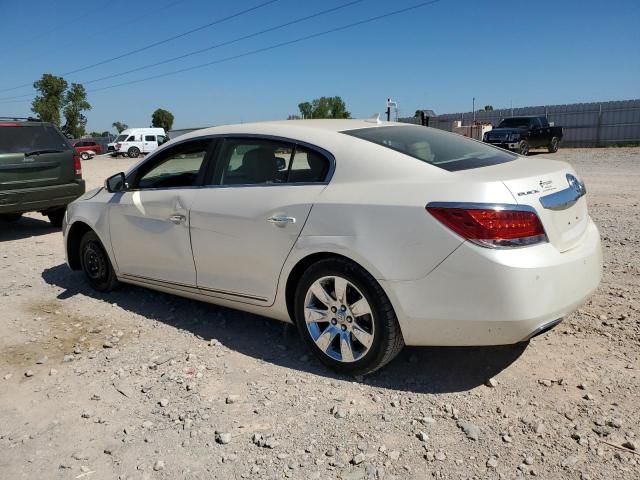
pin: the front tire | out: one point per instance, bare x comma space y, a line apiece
345, 317
10, 217
553, 146
56, 217
96, 264
84, 156
133, 152
523, 148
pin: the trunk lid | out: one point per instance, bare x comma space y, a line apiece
34, 155
548, 187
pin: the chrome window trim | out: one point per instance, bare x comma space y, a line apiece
213, 158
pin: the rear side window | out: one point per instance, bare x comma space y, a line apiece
258, 161
149, 138
449, 151
23, 139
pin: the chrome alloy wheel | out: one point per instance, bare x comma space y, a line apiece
339, 319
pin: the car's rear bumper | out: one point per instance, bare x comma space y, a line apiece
480, 296
40, 198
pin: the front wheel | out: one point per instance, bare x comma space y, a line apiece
10, 217
523, 148
133, 152
553, 146
84, 156
96, 264
56, 217
346, 318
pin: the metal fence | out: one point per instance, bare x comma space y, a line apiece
598, 124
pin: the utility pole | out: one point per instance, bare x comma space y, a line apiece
474, 109
391, 103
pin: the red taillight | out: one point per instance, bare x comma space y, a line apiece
492, 227
2, 124
77, 166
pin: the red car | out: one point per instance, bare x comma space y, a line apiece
84, 146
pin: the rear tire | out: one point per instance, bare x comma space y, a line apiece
553, 146
84, 156
372, 338
96, 265
10, 217
133, 152
56, 217
523, 148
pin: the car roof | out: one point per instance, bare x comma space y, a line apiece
291, 128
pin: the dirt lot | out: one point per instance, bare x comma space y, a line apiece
138, 384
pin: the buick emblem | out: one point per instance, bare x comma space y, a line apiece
575, 184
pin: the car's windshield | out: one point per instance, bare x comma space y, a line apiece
445, 150
120, 138
515, 122
26, 138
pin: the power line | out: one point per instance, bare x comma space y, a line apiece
202, 50
109, 28
272, 47
224, 44
160, 42
265, 49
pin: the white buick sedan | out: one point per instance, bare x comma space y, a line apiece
367, 235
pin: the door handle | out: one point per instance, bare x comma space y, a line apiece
281, 220
177, 218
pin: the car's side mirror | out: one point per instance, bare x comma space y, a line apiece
116, 183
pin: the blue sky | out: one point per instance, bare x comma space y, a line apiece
438, 57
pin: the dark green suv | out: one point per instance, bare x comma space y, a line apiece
39, 170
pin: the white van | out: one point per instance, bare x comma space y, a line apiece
134, 141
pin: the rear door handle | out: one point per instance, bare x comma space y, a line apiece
281, 220
177, 218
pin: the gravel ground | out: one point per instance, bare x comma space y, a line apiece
138, 384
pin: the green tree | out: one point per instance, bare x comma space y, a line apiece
488, 108
162, 119
48, 104
306, 110
324, 107
293, 117
75, 104
99, 134
119, 126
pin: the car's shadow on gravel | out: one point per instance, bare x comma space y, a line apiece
26, 227
420, 370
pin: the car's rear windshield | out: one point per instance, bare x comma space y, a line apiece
27, 138
445, 150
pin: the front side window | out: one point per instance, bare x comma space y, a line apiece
449, 151
131, 138
176, 167
120, 138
